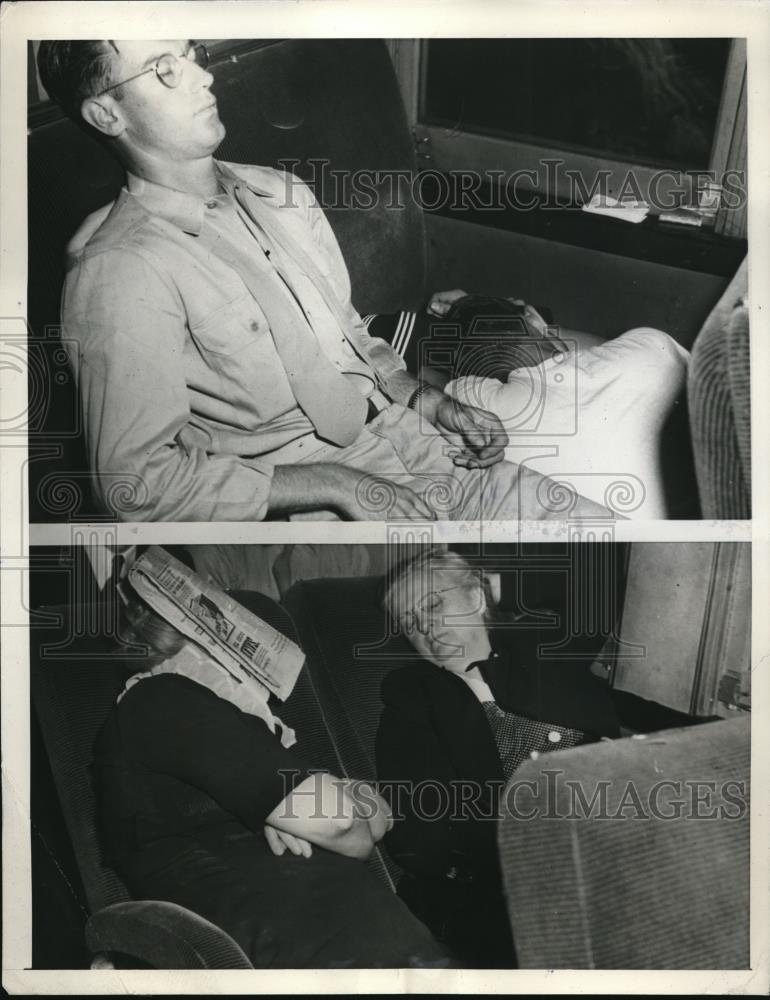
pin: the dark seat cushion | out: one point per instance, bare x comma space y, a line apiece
350, 648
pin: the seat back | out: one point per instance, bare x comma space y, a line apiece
719, 400
636, 881
74, 687
350, 648
329, 110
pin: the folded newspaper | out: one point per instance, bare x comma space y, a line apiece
246, 646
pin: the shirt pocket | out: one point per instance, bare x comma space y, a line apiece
230, 329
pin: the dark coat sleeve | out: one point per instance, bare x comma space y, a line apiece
433, 830
409, 752
173, 726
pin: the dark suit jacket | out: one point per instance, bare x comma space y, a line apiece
434, 730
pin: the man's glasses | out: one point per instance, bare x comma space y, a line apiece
430, 603
169, 68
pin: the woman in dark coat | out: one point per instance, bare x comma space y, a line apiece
204, 802
457, 724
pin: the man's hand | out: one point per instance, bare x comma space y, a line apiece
278, 841
441, 302
479, 433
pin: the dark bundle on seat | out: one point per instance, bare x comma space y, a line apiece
480, 335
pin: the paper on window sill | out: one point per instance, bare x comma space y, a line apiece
629, 210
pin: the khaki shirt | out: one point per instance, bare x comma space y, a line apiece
185, 401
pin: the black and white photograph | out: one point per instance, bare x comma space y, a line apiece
525, 756
385, 492
373, 279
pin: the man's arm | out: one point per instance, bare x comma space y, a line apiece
478, 434
125, 329
326, 486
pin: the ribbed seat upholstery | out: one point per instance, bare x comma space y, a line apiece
719, 398
639, 883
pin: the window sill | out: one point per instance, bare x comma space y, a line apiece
667, 243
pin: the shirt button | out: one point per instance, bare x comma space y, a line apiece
254, 325
211, 204
554, 737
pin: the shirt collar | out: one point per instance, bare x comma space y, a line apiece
479, 687
180, 208
229, 179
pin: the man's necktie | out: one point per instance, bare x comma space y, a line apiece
331, 402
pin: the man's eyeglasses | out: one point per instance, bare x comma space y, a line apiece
428, 604
169, 68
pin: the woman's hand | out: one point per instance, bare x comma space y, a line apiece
322, 811
441, 302
533, 318
278, 841
372, 807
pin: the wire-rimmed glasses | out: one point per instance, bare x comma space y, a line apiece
169, 67
428, 605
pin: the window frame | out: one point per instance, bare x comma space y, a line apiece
452, 150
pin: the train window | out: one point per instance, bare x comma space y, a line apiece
657, 119
653, 100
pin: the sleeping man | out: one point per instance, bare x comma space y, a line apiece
223, 372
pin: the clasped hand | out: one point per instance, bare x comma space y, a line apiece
480, 436
479, 433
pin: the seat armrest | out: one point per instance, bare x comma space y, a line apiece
164, 936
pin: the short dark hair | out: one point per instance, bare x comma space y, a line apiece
72, 71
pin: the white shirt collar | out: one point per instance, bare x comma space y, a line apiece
479, 687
